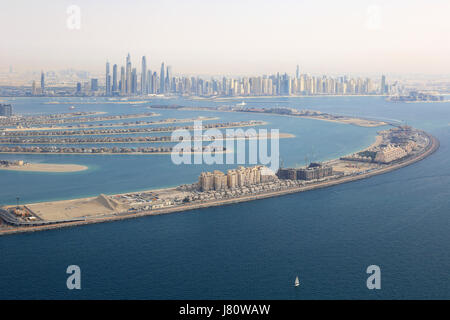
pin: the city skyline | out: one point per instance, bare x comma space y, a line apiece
142, 79
144, 82
244, 38
262, 85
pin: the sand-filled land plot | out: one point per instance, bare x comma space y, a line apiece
69, 209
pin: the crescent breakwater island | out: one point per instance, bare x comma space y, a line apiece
283, 111
394, 148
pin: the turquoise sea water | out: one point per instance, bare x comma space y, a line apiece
318, 140
399, 221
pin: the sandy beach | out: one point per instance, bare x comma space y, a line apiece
45, 167
353, 121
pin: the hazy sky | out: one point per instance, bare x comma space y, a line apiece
230, 36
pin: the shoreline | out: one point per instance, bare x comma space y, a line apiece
429, 149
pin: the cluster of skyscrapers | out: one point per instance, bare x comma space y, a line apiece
127, 82
34, 90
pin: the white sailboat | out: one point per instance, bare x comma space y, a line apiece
297, 282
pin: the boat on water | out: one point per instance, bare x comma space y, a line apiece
71, 107
297, 282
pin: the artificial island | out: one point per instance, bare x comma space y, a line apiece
394, 148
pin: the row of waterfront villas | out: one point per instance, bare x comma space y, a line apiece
53, 149
247, 177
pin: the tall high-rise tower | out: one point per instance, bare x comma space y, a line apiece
168, 78
42, 82
107, 80
33, 88
114, 79
128, 75
133, 81
144, 76
297, 72
122, 81
162, 80
155, 82
383, 84
149, 81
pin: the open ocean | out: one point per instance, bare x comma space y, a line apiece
399, 221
